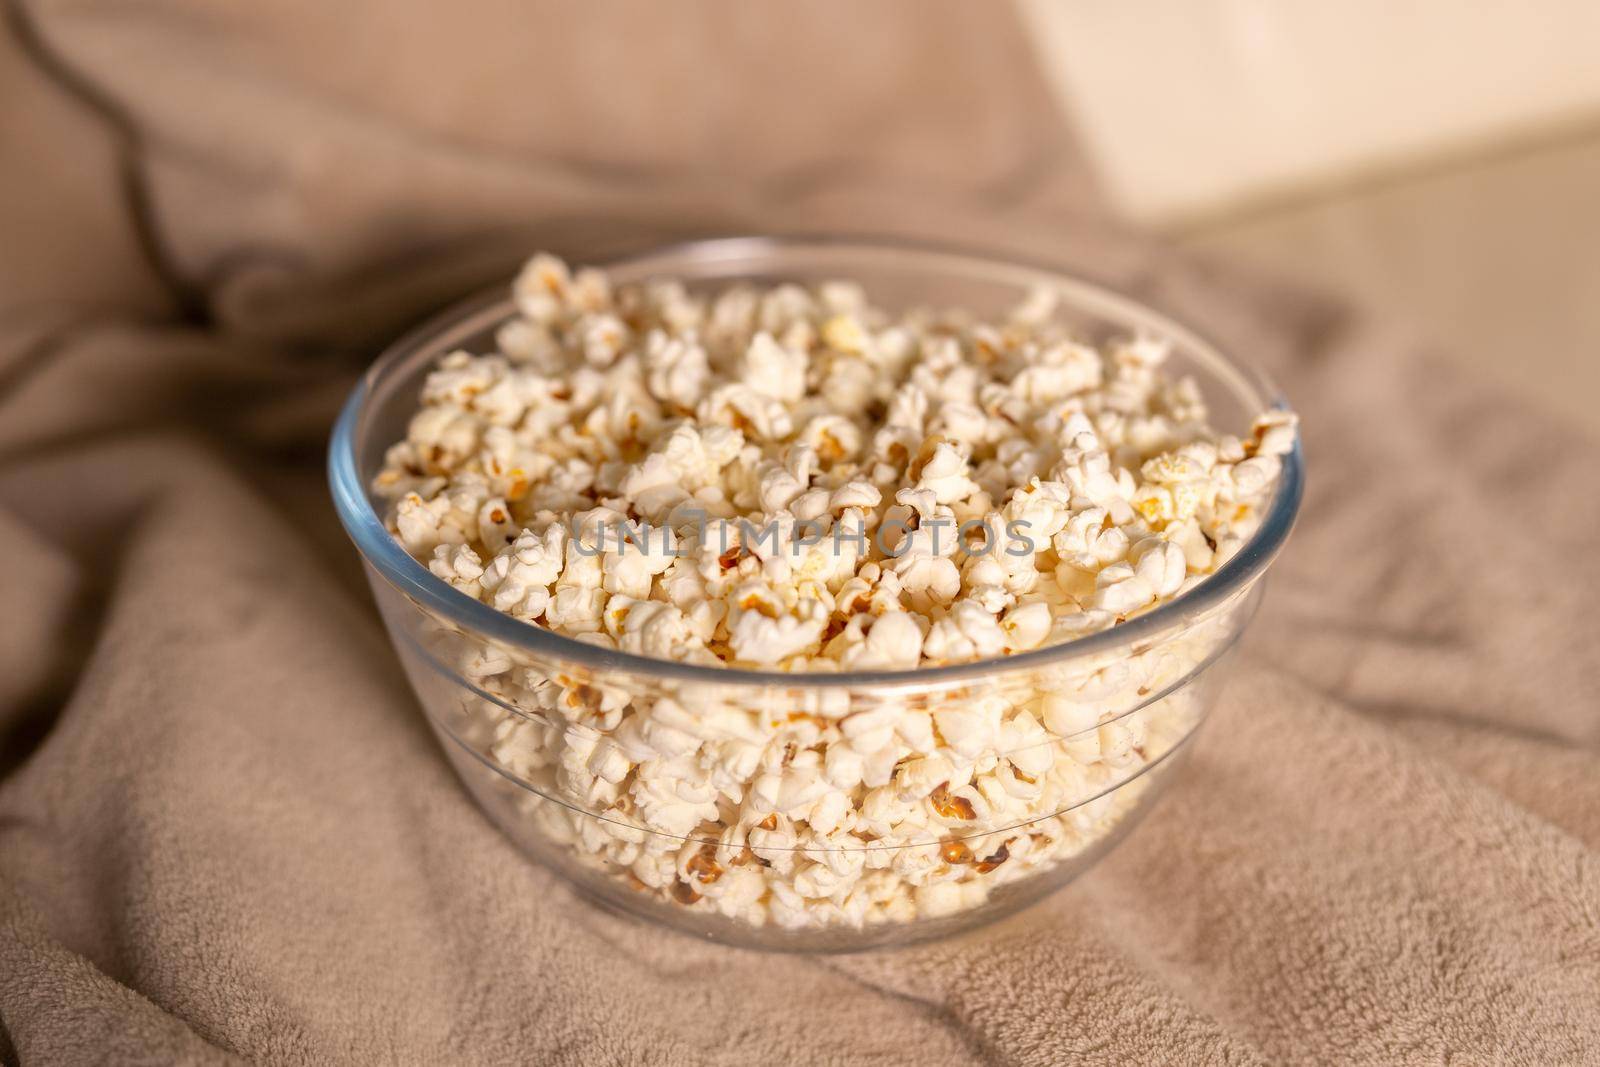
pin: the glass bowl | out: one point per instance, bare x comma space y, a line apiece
540, 727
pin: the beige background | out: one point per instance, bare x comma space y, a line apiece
1437, 161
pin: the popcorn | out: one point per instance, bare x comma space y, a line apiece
651, 628
541, 289
459, 565
743, 407
893, 642
1122, 590
636, 557
796, 480
1026, 626
1160, 564
761, 631
773, 370
944, 474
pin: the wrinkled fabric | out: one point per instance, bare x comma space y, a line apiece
225, 833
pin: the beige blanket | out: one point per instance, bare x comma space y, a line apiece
224, 831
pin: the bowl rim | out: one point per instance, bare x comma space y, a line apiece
385, 555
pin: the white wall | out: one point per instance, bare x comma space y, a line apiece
1191, 107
